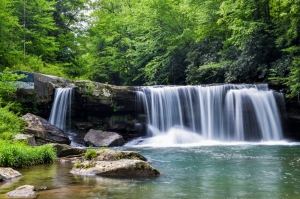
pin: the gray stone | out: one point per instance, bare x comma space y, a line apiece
106, 97
25, 191
119, 168
102, 138
44, 131
111, 155
29, 139
63, 150
8, 174
44, 85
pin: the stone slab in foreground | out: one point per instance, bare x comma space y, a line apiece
26, 191
120, 168
8, 173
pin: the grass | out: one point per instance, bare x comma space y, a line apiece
90, 154
21, 155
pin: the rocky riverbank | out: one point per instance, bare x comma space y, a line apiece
105, 162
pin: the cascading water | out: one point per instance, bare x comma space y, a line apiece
61, 107
190, 114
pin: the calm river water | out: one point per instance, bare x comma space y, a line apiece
226, 171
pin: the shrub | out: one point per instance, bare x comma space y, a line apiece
10, 123
90, 154
21, 155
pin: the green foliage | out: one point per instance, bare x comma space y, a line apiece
30, 104
114, 105
294, 79
208, 74
77, 164
103, 148
21, 155
153, 42
90, 154
10, 123
90, 90
8, 84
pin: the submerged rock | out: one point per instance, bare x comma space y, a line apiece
25, 191
123, 167
8, 173
63, 150
44, 131
102, 138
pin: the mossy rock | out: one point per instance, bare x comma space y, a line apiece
111, 155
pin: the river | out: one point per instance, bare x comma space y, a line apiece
270, 170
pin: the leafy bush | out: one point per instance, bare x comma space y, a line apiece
207, 74
10, 123
8, 86
90, 154
20, 155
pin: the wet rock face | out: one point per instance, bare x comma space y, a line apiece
108, 97
45, 84
44, 131
25, 191
8, 173
103, 138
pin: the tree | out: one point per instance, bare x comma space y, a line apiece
71, 20
250, 39
36, 18
9, 39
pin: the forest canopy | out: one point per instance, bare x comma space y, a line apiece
148, 42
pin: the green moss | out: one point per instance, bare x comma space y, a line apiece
127, 156
90, 89
81, 165
103, 148
88, 165
90, 154
140, 166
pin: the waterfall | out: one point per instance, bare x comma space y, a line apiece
61, 107
223, 112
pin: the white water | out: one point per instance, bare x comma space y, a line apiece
189, 115
61, 107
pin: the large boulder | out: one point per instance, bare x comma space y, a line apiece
103, 138
44, 131
63, 150
8, 174
123, 167
115, 163
25, 191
